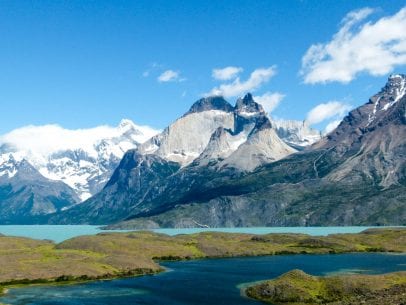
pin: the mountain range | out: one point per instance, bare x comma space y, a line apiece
45, 169
221, 165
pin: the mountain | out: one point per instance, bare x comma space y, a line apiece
25, 194
82, 159
355, 175
212, 139
297, 134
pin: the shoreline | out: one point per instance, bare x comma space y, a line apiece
243, 286
297, 287
121, 252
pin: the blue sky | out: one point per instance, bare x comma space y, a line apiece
85, 63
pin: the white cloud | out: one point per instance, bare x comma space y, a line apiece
325, 111
47, 139
226, 73
237, 87
170, 76
331, 126
269, 101
358, 47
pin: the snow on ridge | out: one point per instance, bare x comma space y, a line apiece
81, 158
297, 133
48, 139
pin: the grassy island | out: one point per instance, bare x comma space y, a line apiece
109, 255
298, 288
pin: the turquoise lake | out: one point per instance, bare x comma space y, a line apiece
201, 282
59, 233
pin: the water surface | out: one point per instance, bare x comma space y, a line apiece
59, 233
202, 282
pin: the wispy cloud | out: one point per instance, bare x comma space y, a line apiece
226, 73
331, 126
325, 111
269, 100
170, 76
359, 46
154, 66
237, 87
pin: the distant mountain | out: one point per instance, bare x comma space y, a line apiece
84, 160
297, 134
25, 194
356, 175
220, 166
47, 169
212, 138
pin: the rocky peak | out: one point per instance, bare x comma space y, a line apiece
391, 93
396, 86
210, 103
246, 106
247, 113
11, 166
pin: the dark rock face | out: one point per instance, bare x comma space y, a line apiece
354, 176
27, 196
247, 104
133, 180
210, 103
145, 184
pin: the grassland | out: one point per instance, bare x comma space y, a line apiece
109, 255
297, 288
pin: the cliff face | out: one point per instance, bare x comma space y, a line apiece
213, 139
356, 175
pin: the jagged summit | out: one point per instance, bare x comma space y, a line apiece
396, 87
247, 106
210, 103
391, 93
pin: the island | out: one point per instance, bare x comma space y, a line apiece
109, 255
298, 288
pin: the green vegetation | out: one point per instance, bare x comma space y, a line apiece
110, 255
296, 288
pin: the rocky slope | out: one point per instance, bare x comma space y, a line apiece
212, 138
353, 176
25, 194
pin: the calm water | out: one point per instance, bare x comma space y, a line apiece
208, 282
63, 232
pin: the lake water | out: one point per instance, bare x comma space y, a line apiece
201, 282
59, 233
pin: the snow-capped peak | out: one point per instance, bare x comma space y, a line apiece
126, 124
394, 91
297, 134
83, 158
398, 83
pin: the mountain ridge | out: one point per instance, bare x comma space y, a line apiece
355, 175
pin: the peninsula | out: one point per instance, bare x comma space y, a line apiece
110, 255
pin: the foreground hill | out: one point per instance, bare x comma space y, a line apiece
298, 288
109, 255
